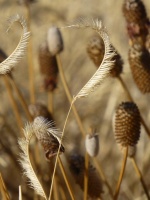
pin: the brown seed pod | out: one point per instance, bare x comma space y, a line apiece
127, 124
136, 18
77, 167
48, 67
134, 11
48, 136
3, 56
139, 60
96, 49
54, 40
92, 143
38, 109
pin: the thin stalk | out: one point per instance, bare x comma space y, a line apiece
121, 173
30, 59
13, 103
71, 100
69, 96
131, 99
55, 191
139, 174
65, 178
50, 102
53, 176
21, 98
20, 193
102, 175
3, 189
86, 176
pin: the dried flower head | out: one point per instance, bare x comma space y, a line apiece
48, 67
96, 49
54, 40
38, 109
127, 124
139, 59
77, 168
136, 18
48, 136
92, 143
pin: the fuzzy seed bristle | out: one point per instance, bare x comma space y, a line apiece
77, 168
127, 124
48, 136
48, 67
54, 40
139, 60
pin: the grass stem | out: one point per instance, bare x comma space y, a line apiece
21, 98
3, 189
50, 102
139, 174
65, 178
13, 103
121, 173
86, 176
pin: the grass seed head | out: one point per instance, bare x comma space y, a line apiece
139, 59
127, 124
54, 40
44, 131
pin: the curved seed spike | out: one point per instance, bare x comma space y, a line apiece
19, 52
25, 161
107, 64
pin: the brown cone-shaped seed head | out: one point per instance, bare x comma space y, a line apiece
134, 11
77, 167
38, 109
96, 49
136, 18
118, 64
48, 67
139, 60
54, 40
41, 127
127, 124
92, 144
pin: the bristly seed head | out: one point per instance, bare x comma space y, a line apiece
139, 59
48, 136
127, 124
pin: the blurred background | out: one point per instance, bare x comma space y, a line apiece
96, 110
